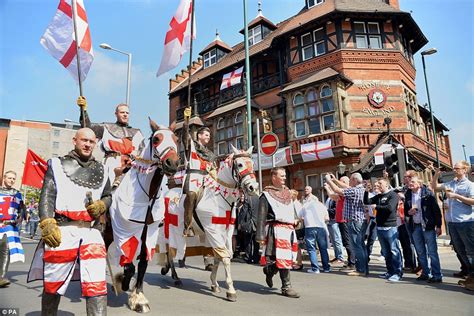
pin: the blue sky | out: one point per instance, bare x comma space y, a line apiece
35, 86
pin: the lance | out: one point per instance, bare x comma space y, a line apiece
74, 9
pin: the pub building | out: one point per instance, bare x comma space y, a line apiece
325, 80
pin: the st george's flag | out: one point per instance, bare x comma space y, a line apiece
232, 78
178, 37
60, 42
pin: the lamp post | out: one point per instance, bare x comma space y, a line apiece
464, 150
430, 51
129, 69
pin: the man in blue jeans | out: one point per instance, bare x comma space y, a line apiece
354, 214
460, 194
423, 218
386, 206
315, 217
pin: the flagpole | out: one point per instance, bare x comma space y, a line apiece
74, 9
247, 76
191, 57
259, 157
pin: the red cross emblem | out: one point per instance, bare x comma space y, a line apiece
124, 146
225, 192
170, 219
227, 82
227, 220
217, 188
178, 29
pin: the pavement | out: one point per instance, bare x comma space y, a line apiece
332, 293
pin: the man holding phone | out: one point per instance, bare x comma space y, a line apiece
460, 195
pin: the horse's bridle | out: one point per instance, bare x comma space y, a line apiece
238, 176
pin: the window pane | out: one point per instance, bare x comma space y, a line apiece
320, 48
306, 39
206, 63
314, 126
239, 143
319, 34
328, 122
359, 27
222, 148
310, 3
299, 112
373, 28
375, 42
221, 123
361, 41
298, 99
326, 91
311, 95
300, 129
258, 38
238, 117
230, 132
313, 109
239, 129
328, 105
221, 135
307, 52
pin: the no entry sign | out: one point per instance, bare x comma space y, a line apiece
270, 144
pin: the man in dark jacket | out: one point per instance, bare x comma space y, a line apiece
386, 206
248, 225
423, 218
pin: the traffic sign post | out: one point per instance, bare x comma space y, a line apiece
270, 144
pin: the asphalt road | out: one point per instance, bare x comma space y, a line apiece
332, 293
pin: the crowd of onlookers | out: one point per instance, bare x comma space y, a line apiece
406, 221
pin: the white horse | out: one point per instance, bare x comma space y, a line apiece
213, 214
137, 209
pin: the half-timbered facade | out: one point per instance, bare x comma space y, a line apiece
334, 71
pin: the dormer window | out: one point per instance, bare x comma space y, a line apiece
210, 58
255, 35
312, 3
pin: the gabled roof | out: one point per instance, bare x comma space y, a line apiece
324, 74
260, 20
217, 42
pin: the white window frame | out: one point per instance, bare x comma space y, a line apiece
208, 58
306, 46
315, 3
367, 36
315, 49
253, 35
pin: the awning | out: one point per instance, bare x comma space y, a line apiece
231, 106
325, 74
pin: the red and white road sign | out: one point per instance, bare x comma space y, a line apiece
270, 144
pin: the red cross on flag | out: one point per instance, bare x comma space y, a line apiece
178, 37
232, 78
317, 151
60, 42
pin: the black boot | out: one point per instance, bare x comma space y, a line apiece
49, 304
4, 261
128, 273
270, 270
96, 306
286, 288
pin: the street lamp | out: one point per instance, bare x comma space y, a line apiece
430, 51
464, 150
129, 69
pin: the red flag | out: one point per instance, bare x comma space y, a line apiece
60, 42
178, 39
35, 169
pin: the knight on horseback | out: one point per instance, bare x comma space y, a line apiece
119, 141
201, 162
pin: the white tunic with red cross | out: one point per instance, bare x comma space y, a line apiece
81, 254
121, 146
286, 243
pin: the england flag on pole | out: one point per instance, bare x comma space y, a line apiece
232, 78
316, 151
60, 42
178, 37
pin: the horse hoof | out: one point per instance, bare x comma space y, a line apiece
215, 289
145, 308
178, 283
231, 297
165, 270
